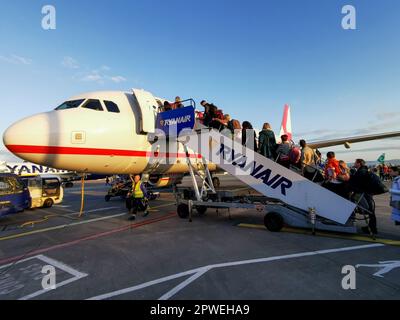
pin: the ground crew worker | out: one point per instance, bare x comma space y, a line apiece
137, 198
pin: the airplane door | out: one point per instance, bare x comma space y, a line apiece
147, 110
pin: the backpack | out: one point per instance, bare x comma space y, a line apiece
375, 186
212, 109
219, 114
294, 155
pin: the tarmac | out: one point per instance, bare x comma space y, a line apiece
102, 255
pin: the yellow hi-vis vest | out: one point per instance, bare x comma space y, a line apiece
137, 192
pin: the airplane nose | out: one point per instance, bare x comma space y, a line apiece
9, 135
26, 137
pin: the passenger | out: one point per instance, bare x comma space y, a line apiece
385, 172
226, 122
229, 122
160, 106
359, 183
391, 172
167, 106
267, 142
295, 157
344, 171
249, 139
137, 198
381, 175
332, 171
237, 130
309, 161
395, 198
210, 113
344, 177
177, 104
319, 155
283, 151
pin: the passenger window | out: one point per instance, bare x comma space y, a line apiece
10, 186
51, 183
111, 106
93, 105
70, 104
5, 187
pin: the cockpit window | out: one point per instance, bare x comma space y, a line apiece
93, 104
111, 106
70, 104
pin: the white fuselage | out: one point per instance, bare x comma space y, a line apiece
104, 142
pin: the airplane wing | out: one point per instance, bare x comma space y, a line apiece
347, 141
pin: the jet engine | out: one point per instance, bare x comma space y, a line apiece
161, 181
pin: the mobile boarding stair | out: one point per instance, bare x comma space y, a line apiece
287, 198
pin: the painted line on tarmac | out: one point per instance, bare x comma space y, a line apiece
91, 237
62, 226
198, 272
47, 218
90, 211
327, 234
29, 233
77, 275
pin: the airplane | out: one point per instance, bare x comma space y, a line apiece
110, 132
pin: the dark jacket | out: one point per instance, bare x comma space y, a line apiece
210, 113
246, 141
267, 144
230, 126
360, 180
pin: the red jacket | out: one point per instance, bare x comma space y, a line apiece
333, 163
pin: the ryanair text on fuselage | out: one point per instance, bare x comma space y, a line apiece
35, 169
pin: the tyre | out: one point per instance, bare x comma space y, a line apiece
48, 203
273, 221
151, 195
201, 210
216, 182
183, 210
107, 198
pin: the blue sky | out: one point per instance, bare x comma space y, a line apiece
248, 57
